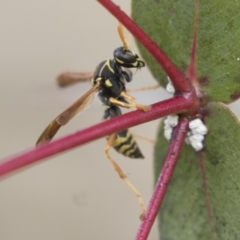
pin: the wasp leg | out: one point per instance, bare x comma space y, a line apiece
68, 78
129, 105
144, 138
136, 105
123, 176
143, 88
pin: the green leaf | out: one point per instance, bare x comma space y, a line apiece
170, 24
185, 213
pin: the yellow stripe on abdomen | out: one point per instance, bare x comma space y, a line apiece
125, 144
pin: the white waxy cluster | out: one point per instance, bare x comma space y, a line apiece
169, 123
197, 129
170, 88
195, 135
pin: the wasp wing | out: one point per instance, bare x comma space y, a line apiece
67, 115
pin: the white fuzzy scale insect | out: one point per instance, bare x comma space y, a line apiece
197, 129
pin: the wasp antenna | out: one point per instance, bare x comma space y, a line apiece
121, 35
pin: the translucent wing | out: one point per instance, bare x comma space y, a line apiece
67, 115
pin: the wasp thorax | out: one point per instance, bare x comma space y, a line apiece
127, 58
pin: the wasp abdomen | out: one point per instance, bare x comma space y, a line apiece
125, 144
124, 141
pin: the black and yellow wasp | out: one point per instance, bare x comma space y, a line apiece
109, 81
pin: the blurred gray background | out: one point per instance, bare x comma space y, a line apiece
75, 195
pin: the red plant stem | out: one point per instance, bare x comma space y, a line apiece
165, 176
170, 106
176, 76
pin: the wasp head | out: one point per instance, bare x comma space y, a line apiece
126, 58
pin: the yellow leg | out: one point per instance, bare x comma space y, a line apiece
144, 138
133, 103
68, 78
122, 175
143, 88
136, 105
120, 103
